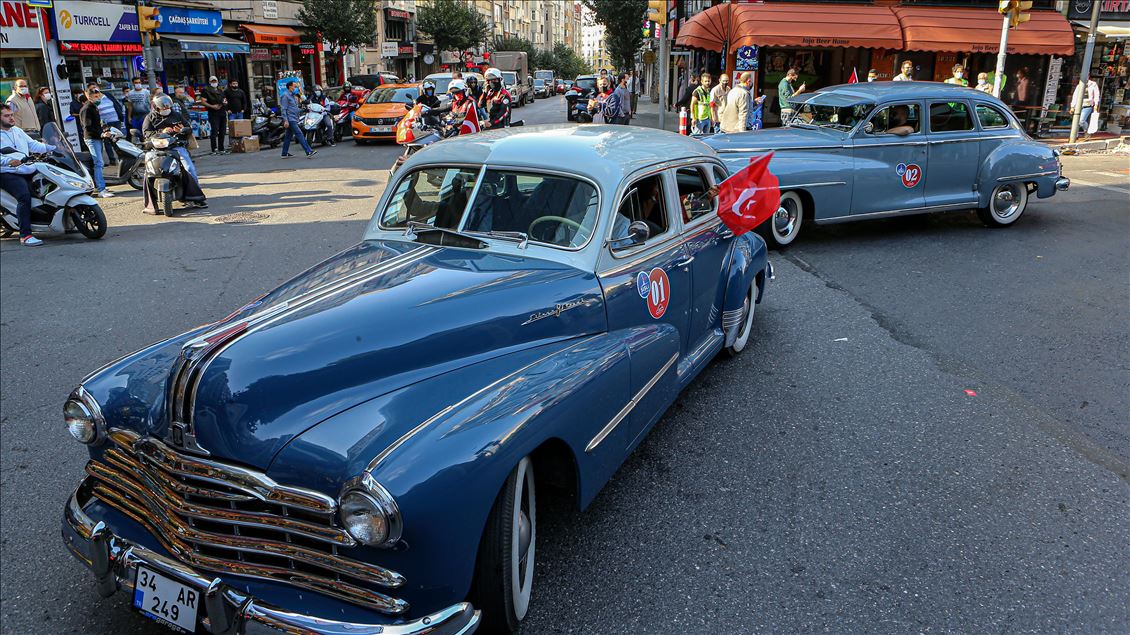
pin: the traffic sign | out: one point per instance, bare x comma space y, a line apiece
38, 4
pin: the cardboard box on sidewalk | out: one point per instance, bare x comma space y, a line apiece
246, 144
239, 128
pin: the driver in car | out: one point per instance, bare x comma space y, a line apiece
899, 122
15, 175
162, 119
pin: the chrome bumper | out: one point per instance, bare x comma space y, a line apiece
1062, 183
227, 611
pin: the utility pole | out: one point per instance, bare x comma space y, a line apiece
998, 76
147, 23
657, 13
1084, 73
1015, 13
41, 18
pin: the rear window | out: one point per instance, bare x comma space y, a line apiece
588, 83
441, 84
991, 117
950, 116
385, 95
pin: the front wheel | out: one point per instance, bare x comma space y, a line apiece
90, 220
504, 572
784, 225
1006, 205
165, 201
749, 307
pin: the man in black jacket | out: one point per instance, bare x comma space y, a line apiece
163, 119
214, 101
237, 101
90, 126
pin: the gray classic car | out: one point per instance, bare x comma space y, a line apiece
864, 151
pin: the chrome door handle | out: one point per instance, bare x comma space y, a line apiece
725, 233
685, 261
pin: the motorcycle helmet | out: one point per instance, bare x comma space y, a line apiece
428, 85
163, 104
493, 73
457, 85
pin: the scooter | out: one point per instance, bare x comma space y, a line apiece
61, 189
581, 112
128, 167
164, 174
313, 124
426, 129
267, 125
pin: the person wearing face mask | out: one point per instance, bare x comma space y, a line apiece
23, 108
292, 115
428, 94
137, 105
213, 99
496, 100
94, 131
237, 101
474, 91
164, 119
15, 176
872, 75
958, 78
318, 96
43, 108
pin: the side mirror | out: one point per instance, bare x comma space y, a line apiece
638, 232
869, 128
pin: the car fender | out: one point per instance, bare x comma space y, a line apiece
822, 177
748, 258
1027, 161
469, 429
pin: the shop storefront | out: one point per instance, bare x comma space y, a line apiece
100, 42
20, 53
274, 50
193, 48
1110, 63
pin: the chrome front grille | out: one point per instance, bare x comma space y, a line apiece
225, 518
379, 121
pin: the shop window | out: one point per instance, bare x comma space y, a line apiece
991, 117
950, 116
899, 119
692, 190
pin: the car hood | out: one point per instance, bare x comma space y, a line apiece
375, 318
776, 139
390, 109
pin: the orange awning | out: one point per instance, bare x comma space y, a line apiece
263, 34
791, 24
970, 30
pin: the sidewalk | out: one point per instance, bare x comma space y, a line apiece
647, 115
1098, 141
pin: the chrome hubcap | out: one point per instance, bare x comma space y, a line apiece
784, 221
1006, 201
523, 539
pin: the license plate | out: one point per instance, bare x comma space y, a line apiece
376, 129
166, 601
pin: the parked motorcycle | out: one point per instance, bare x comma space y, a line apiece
267, 125
580, 112
61, 189
127, 168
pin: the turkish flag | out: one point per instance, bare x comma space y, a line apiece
749, 197
854, 79
470, 123
404, 126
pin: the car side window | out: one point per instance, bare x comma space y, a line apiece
643, 204
950, 116
990, 117
692, 193
896, 119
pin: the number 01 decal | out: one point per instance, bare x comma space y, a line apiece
659, 292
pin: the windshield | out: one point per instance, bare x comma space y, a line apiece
441, 83
839, 117
544, 74
561, 211
63, 153
586, 83
539, 83
386, 95
509, 78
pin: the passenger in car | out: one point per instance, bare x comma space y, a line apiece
899, 124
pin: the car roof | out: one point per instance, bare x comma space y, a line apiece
603, 153
465, 73
887, 90
401, 85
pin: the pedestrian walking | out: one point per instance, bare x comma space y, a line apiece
93, 131
734, 116
1023, 88
215, 102
684, 100
618, 108
957, 76
23, 107
1090, 101
983, 84
703, 122
718, 98
292, 113
137, 105
634, 89
907, 74
43, 108
786, 90
238, 104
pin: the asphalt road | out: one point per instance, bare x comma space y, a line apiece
836, 477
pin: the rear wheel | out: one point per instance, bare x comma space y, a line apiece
504, 573
90, 220
136, 177
784, 225
1006, 205
749, 307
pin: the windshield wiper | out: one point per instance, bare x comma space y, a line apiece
519, 237
803, 124
425, 233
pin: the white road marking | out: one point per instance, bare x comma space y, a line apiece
1112, 188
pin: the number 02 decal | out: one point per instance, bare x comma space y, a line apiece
910, 173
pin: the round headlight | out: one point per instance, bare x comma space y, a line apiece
80, 421
369, 514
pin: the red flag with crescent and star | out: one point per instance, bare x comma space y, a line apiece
749, 197
470, 123
854, 79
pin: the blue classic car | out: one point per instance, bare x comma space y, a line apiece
882, 149
361, 450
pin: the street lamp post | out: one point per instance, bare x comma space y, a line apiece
1084, 73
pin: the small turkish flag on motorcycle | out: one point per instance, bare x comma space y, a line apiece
749, 197
470, 123
404, 132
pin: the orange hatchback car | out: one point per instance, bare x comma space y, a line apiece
376, 119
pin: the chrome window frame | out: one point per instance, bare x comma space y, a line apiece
674, 226
382, 203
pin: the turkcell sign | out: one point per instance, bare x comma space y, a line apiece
95, 22
193, 21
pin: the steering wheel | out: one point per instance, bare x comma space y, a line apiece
556, 219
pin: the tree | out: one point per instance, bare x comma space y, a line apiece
452, 25
515, 44
623, 27
345, 24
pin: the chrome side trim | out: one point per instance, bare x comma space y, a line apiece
895, 212
715, 339
802, 148
1028, 176
860, 146
962, 140
611, 425
822, 184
